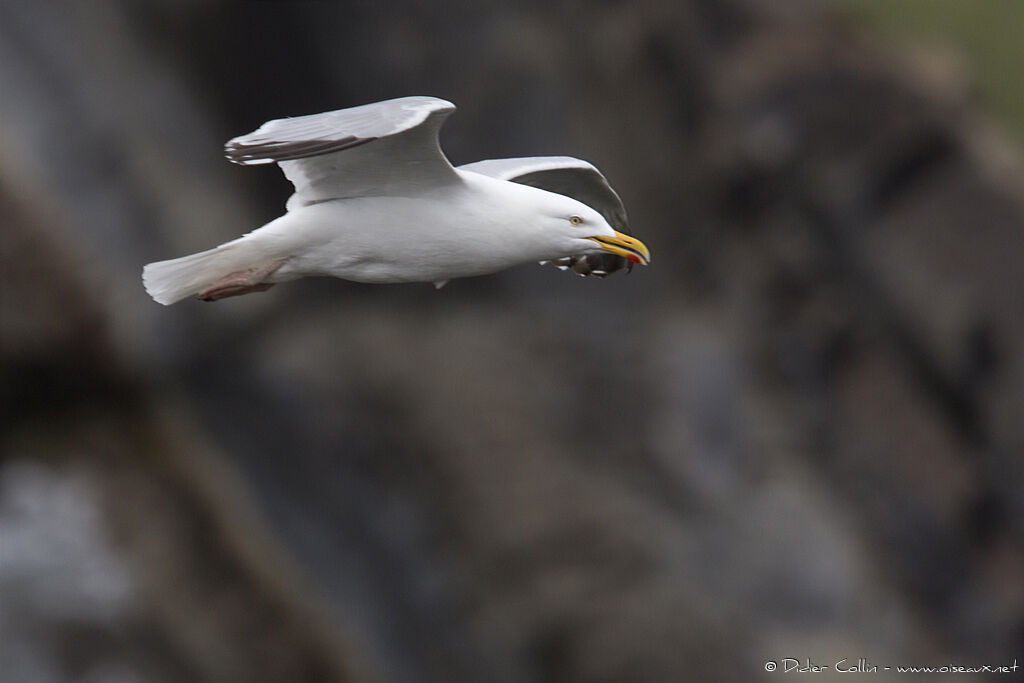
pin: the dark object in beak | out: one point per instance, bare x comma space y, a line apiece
594, 265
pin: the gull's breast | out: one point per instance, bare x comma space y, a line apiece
395, 239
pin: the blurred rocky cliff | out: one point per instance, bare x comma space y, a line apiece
798, 433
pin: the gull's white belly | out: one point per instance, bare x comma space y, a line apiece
399, 239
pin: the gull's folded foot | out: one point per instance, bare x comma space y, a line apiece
241, 282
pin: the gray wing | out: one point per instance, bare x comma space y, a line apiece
573, 178
385, 148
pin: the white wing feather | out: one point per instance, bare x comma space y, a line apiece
377, 149
563, 175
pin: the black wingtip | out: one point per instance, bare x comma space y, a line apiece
246, 154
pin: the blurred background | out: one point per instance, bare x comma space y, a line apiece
797, 434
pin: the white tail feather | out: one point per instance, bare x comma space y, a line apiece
174, 280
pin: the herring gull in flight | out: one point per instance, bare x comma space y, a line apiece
377, 201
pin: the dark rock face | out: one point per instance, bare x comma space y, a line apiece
796, 434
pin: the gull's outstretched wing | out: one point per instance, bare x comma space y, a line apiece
574, 178
380, 149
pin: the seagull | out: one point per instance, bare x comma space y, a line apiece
377, 201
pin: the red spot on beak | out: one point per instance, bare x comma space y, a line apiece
632, 258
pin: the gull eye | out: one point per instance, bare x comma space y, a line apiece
575, 220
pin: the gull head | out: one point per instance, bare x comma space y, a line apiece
586, 231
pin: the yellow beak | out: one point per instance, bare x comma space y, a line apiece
629, 248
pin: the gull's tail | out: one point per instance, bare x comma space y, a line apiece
174, 280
